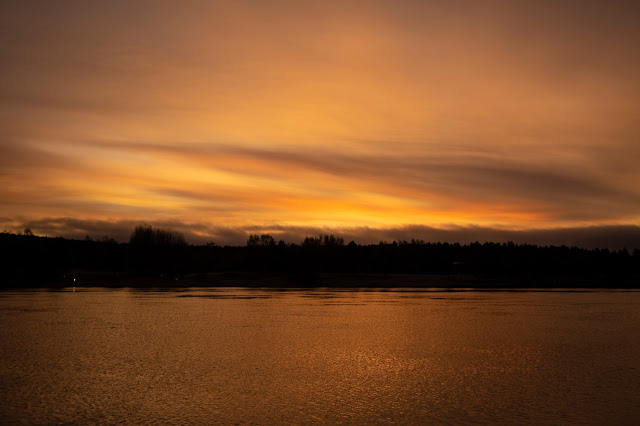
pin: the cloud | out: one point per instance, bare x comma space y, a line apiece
239, 186
460, 177
320, 114
612, 237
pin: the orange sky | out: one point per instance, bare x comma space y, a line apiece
275, 116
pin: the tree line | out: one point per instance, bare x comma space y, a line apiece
162, 253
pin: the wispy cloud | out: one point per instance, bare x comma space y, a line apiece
321, 115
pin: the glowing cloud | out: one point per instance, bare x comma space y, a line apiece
258, 115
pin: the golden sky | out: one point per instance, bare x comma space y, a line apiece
222, 118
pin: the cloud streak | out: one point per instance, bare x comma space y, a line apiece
447, 180
321, 116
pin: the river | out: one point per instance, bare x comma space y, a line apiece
238, 355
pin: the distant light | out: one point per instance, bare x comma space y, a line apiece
74, 280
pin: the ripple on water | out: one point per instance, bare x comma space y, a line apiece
252, 356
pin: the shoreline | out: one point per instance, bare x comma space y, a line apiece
85, 279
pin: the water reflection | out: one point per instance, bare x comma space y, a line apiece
295, 356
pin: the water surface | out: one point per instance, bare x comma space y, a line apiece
266, 356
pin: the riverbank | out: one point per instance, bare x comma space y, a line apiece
279, 280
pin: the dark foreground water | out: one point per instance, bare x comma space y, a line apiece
264, 356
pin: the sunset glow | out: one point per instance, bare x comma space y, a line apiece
225, 118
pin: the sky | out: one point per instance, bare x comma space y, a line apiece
456, 120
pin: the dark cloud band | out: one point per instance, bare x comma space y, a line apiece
612, 237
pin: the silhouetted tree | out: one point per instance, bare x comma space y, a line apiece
157, 250
323, 241
145, 235
108, 240
264, 240
165, 252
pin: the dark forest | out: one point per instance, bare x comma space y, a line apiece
162, 258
